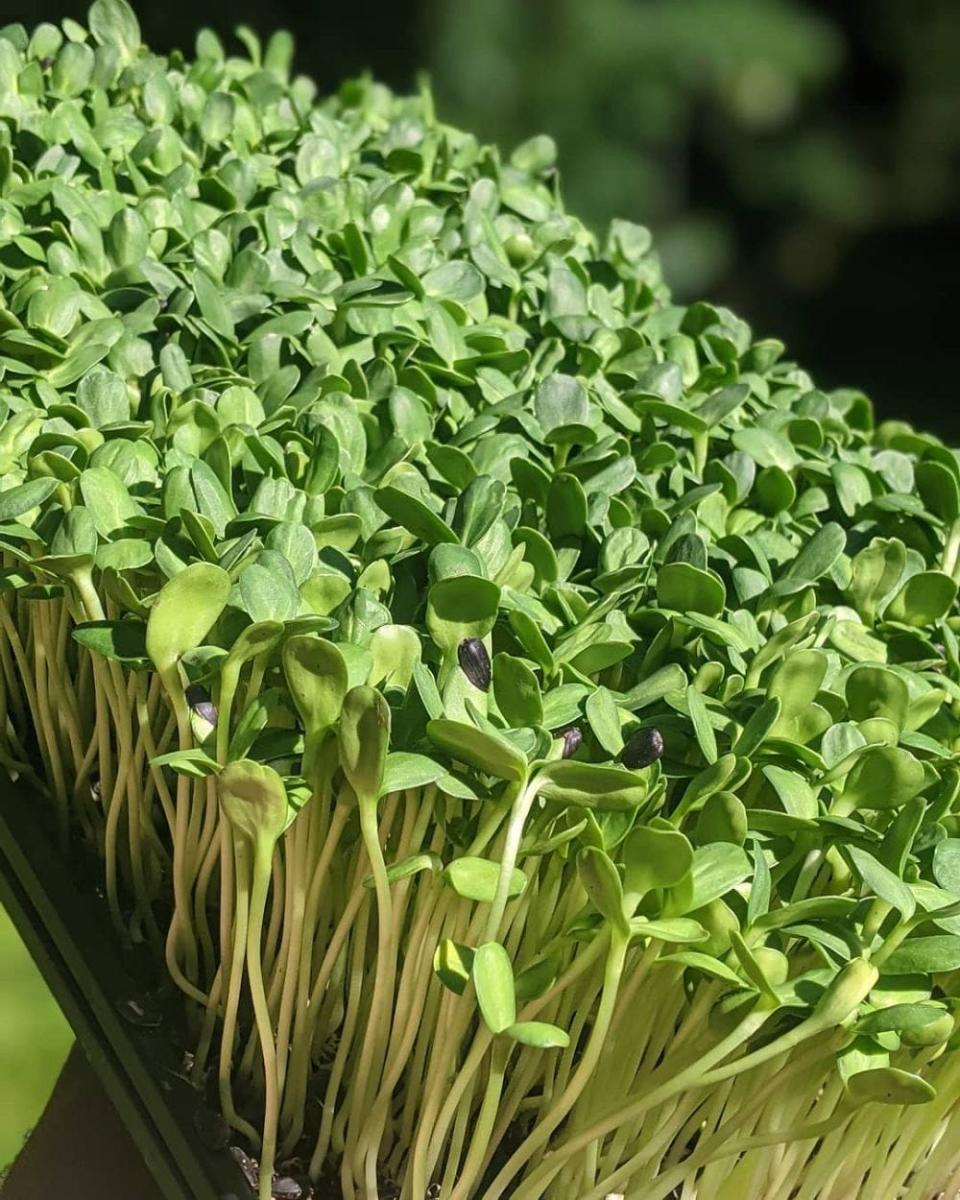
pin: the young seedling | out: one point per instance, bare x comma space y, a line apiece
364, 735
317, 678
254, 802
182, 615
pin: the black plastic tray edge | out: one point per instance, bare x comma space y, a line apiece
156, 1105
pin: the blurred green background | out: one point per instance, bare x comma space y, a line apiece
798, 160
34, 1040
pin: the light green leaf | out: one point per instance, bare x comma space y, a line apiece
493, 980
184, 612
477, 878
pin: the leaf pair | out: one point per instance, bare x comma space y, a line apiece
493, 980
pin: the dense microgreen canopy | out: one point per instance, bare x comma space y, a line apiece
521, 712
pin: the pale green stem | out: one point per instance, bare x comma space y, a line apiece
308, 1000
354, 996
242, 872
613, 970
526, 794
180, 935
485, 1122
371, 1054
633, 1106
262, 872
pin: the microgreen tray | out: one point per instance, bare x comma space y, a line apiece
70, 938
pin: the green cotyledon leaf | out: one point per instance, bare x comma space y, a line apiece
714, 871
316, 676
184, 611
606, 788
493, 980
253, 799
602, 884
486, 751
476, 879
924, 599
364, 735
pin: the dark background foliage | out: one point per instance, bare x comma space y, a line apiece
798, 160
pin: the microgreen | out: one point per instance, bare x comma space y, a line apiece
539, 697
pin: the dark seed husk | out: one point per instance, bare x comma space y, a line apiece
200, 702
475, 662
247, 1165
572, 739
644, 748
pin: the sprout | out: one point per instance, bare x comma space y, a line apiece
368, 528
